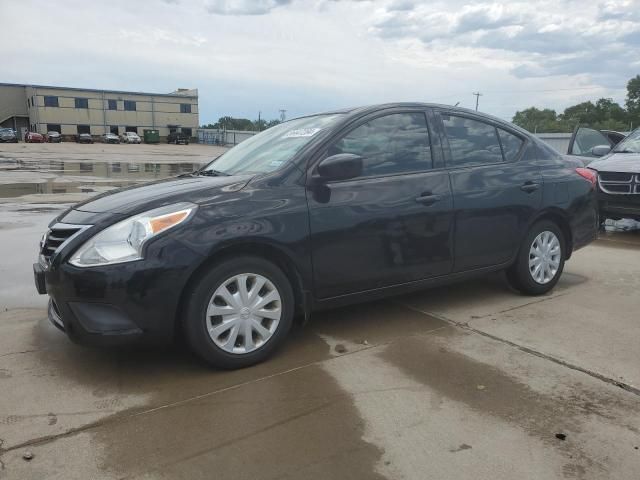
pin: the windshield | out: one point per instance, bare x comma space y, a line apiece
269, 150
631, 144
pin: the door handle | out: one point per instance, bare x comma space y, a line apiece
529, 187
428, 199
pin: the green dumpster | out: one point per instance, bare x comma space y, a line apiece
151, 136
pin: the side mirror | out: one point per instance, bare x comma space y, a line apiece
600, 150
342, 166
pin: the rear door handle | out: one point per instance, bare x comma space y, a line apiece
530, 187
428, 199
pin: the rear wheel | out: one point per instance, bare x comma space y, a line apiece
540, 261
239, 312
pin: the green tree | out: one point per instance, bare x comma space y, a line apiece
633, 100
536, 120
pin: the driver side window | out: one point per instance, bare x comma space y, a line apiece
390, 145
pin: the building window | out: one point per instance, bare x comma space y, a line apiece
186, 131
84, 129
53, 127
130, 105
114, 129
82, 102
131, 129
113, 104
33, 101
185, 108
50, 101
29, 102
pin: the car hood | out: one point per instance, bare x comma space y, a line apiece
132, 200
618, 162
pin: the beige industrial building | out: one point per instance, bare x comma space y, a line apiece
71, 111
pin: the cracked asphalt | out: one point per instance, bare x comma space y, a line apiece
469, 381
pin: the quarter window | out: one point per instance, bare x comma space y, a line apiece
471, 142
130, 105
389, 145
511, 144
50, 101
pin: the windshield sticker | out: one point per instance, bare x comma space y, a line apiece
275, 163
301, 132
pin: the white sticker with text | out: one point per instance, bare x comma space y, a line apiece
301, 132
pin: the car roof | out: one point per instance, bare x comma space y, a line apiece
364, 110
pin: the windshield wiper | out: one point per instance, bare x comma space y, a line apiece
624, 151
212, 173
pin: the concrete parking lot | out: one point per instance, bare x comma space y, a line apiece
470, 381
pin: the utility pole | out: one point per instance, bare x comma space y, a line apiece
259, 113
478, 95
282, 115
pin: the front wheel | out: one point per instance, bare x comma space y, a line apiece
540, 260
239, 312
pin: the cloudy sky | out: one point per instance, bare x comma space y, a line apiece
246, 56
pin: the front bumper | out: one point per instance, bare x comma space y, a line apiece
619, 206
119, 304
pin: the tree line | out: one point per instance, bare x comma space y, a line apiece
604, 114
230, 123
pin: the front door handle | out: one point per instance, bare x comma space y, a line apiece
428, 199
529, 187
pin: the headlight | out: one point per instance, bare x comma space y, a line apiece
123, 241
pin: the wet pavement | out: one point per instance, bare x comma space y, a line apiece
470, 381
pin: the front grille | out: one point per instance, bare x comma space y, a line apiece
57, 236
618, 183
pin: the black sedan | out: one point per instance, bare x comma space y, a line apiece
84, 138
316, 212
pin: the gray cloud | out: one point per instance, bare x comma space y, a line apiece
243, 7
483, 19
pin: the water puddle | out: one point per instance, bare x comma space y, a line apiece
60, 177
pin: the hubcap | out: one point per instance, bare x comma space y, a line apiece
544, 257
243, 313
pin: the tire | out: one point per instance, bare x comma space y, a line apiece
203, 294
520, 274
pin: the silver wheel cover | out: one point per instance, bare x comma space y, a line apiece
243, 313
544, 257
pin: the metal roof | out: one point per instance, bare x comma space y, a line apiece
97, 90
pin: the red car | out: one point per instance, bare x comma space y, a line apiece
33, 137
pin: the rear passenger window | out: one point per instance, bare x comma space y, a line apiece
511, 144
389, 145
471, 142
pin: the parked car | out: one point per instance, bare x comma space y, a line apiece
109, 138
616, 159
54, 137
84, 138
316, 212
130, 137
8, 135
618, 169
178, 138
34, 137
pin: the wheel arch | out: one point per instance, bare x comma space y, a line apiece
255, 248
560, 218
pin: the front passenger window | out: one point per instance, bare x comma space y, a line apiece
389, 145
